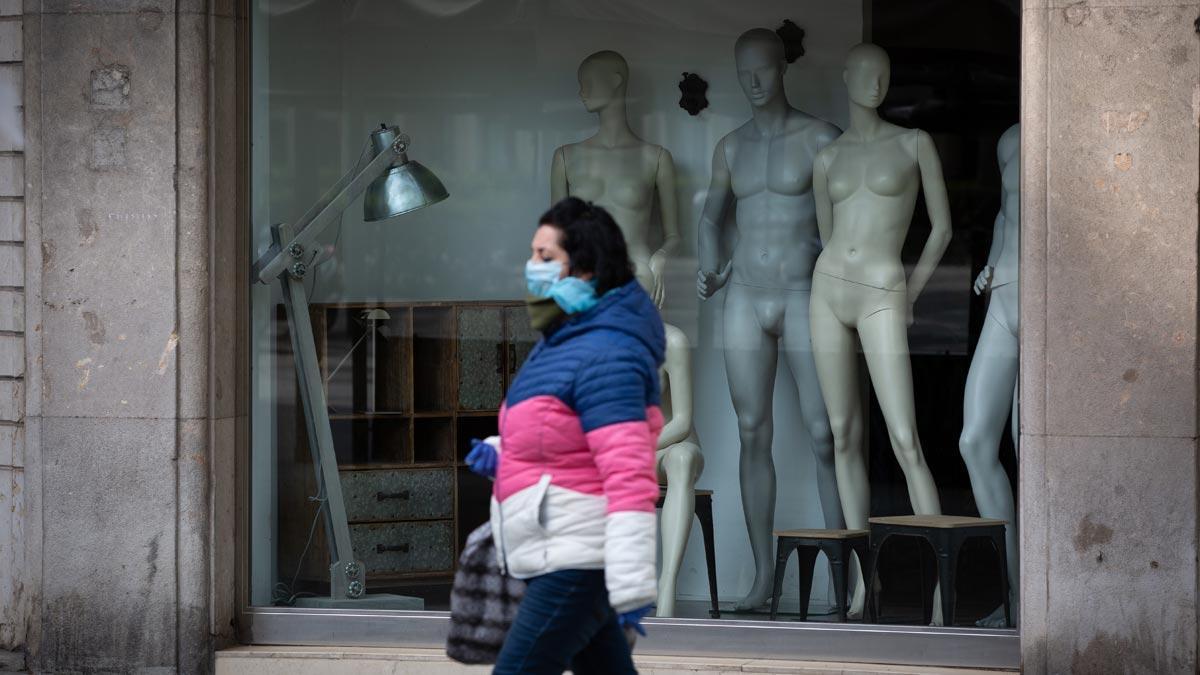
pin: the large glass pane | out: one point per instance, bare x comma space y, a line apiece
815, 406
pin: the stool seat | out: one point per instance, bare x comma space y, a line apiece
943, 522
945, 535
822, 534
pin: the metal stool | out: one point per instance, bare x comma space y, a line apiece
705, 513
837, 546
946, 535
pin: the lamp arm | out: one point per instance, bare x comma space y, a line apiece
277, 258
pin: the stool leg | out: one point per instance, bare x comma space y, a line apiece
947, 555
872, 608
783, 550
705, 514
839, 564
806, 556
927, 566
999, 543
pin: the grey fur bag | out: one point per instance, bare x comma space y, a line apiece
483, 602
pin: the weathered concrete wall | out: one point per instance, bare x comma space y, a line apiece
1111, 98
14, 574
131, 359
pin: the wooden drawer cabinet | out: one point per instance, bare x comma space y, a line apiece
407, 390
375, 495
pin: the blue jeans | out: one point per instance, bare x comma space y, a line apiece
565, 621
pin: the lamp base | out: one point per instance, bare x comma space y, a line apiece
370, 601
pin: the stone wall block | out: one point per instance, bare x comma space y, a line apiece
109, 523
12, 132
12, 311
110, 338
1121, 239
12, 356
12, 400
1123, 559
12, 221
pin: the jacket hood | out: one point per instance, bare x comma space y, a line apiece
627, 309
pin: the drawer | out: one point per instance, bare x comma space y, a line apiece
374, 495
392, 548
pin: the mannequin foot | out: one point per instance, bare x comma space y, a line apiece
857, 601
937, 619
759, 595
996, 618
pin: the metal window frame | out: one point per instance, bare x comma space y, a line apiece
816, 641
861, 643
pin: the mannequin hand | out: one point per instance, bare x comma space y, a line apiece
658, 264
483, 457
633, 619
983, 282
708, 283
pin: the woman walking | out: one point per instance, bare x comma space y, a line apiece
573, 509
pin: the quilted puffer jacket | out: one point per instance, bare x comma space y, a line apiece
575, 486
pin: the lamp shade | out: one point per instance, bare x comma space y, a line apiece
406, 186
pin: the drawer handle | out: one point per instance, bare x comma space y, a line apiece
380, 496
402, 548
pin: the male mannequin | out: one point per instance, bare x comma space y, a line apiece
991, 395
866, 185
765, 168
678, 461
619, 171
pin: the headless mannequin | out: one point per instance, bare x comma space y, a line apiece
991, 395
765, 168
678, 462
619, 171
866, 184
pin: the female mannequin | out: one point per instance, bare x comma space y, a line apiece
619, 171
678, 461
991, 395
866, 184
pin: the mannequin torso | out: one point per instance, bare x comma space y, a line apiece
771, 181
873, 188
623, 180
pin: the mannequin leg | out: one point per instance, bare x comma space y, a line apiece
987, 411
750, 358
680, 465
884, 337
797, 346
836, 358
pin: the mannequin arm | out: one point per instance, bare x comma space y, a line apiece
997, 240
720, 193
558, 177
679, 377
821, 198
938, 205
668, 204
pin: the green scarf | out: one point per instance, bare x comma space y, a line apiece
543, 312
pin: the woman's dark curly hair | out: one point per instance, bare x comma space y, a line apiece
593, 241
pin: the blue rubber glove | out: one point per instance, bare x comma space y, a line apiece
483, 458
633, 619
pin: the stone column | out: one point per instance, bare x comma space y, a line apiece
132, 256
1111, 95
14, 571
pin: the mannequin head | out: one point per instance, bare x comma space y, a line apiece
867, 75
603, 77
759, 55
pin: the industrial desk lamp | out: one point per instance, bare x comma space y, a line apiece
394, 185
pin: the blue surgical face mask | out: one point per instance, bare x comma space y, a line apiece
540, 276
574, 295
